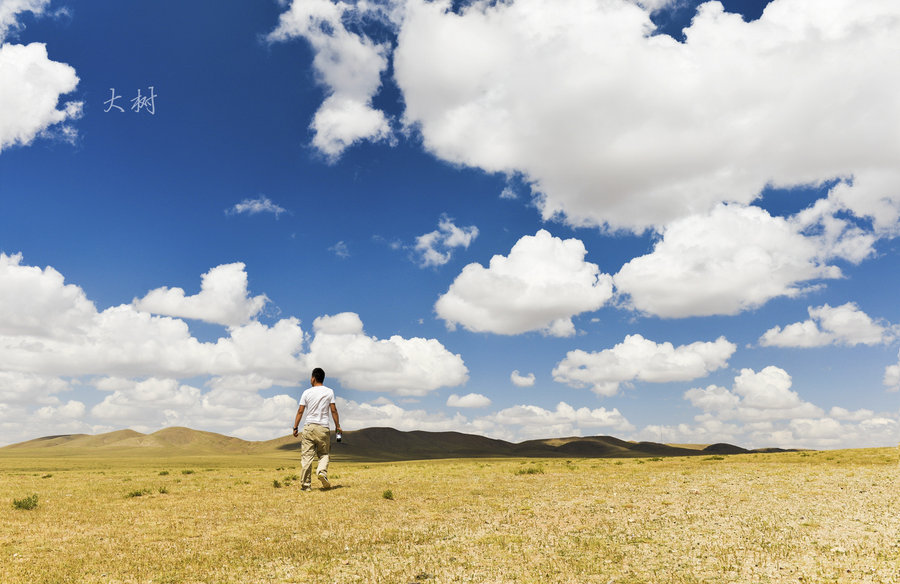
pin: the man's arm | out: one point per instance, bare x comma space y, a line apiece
334, 416
297, 419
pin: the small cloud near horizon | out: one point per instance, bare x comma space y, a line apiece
471, 400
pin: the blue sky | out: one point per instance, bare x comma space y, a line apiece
657, 220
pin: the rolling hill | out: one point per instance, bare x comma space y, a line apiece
369, 444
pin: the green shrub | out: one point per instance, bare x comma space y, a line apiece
388, 494
276, 483
163, 473
138, 493
27, 503
530, 470
187, 472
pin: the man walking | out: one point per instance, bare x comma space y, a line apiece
317, 402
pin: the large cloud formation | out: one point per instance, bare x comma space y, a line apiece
540, 286
54, 341
63, 361
615, 126
31, 84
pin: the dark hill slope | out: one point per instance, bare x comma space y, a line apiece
389, 444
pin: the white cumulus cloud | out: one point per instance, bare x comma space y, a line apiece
10, 9
640, 359
71, 410
755, 397
340, 249
436, 247
520, 380
385, 413
39, 302
31, 84
827, 325
396, 365
29, 388
891, 378
540, 286
223, 298
348, 64
470, 400
255, 206
729, 260
817, 432
49, 331
761, 410
536, 422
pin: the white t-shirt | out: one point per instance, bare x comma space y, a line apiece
318, 400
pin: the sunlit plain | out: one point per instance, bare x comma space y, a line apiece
779, 517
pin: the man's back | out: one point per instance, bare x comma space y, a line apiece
317, 400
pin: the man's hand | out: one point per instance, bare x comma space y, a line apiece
296, 432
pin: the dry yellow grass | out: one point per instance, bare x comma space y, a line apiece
791, 517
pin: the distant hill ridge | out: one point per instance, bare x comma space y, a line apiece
372, 444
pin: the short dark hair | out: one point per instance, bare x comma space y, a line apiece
319, 375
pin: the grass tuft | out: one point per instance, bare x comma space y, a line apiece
388, 494
27, 503
530, 470
137, 493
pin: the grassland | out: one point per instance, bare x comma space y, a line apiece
757, 518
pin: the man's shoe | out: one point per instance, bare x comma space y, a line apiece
305, 488
323, 478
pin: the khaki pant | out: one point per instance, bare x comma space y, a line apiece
316, 442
